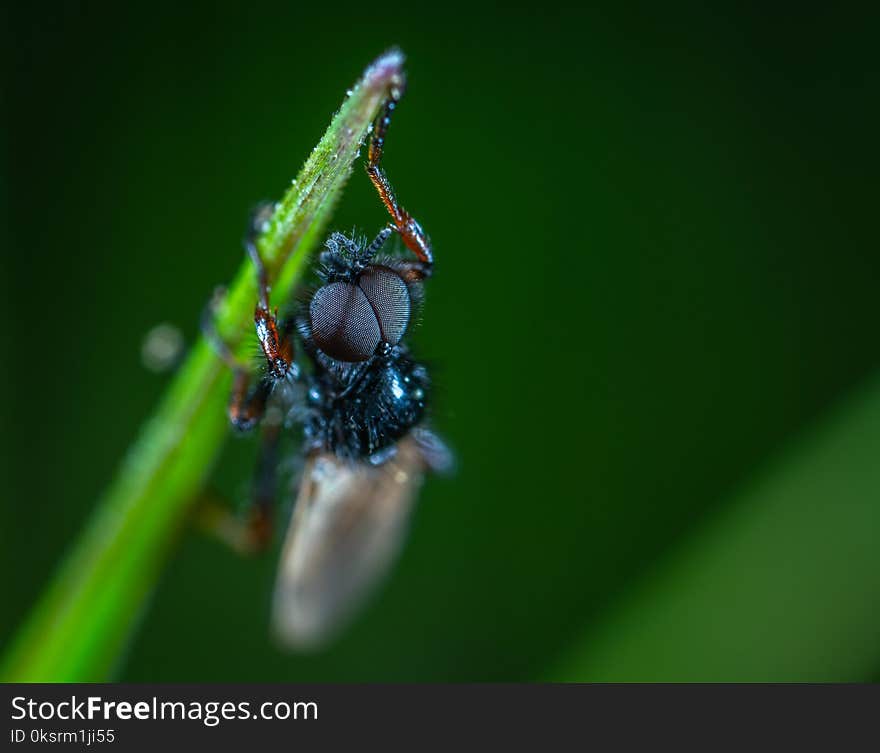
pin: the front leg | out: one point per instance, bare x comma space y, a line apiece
411, 232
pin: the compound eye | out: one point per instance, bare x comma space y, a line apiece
388, 295
343, 323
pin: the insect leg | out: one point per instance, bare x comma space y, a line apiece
246, 405
275, 336
259, 216
265, 487
411, 232
253, 533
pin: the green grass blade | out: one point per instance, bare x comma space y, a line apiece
83, 621
784, 585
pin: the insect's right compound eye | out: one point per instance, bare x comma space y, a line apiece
343, 323
390, 300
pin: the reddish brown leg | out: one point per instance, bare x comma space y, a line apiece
410, 231
275, 340
260, 517
253, 533
246, 406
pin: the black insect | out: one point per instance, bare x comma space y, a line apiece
361, 400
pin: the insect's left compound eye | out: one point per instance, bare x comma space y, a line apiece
343, 323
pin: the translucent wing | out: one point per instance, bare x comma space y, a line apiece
348, 524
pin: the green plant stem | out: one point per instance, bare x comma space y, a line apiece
81, 624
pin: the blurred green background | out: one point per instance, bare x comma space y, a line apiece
656, 285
